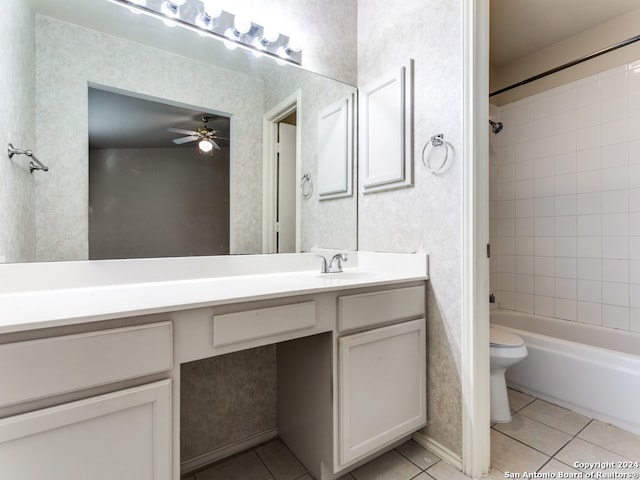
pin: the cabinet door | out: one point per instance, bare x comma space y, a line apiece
124, 435
382, 387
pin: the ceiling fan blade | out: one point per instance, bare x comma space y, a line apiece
215, 145
181, 130
182, 140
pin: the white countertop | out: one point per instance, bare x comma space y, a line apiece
55, 294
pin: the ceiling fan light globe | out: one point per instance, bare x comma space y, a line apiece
205, 146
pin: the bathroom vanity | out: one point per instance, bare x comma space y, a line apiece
90, 367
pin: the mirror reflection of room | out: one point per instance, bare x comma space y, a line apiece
158, 179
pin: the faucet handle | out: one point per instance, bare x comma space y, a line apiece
323, 267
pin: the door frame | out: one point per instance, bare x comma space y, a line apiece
293, 103
475, 371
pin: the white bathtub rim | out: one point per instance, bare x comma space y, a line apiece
599, 332
600, 353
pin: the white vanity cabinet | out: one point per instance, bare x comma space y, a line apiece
346, 395
381, 371
123, 434
382, 387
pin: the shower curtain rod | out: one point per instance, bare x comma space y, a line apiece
564, 66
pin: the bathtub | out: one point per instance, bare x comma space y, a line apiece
590, 370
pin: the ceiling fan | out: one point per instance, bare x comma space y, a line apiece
204, 134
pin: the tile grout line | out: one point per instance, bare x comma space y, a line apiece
553, 457
521, 442
422, 470
597, 445
273, 477
551, 426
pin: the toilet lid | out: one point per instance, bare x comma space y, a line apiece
501, 338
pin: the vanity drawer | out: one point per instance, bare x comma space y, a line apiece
370, 309
37, 369
260, 323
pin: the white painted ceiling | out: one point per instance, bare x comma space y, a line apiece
521, 27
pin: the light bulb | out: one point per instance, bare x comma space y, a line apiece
205, 19
294, 45
241, 25
269, 35
205, 146
212, 8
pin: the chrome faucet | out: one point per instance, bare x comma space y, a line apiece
335, 265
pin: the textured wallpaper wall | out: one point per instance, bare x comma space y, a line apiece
427, 216
17, 106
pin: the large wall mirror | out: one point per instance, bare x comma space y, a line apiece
99, 45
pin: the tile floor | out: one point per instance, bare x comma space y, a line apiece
541, 438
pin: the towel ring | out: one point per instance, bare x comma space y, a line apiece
436, 141
306, 185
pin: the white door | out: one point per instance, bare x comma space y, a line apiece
286, 209
124, 435
382, 387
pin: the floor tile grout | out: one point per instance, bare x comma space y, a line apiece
411, 450
549, 426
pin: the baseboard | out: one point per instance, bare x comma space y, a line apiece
440, 450
205, 459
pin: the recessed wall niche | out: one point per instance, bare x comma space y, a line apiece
148, 196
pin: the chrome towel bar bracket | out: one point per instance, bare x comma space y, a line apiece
34, 164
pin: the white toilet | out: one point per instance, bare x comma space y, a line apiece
506, 349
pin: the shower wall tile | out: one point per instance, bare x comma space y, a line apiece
567, 180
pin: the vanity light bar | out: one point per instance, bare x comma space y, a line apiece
198, 15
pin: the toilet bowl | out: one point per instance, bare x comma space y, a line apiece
506, 349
